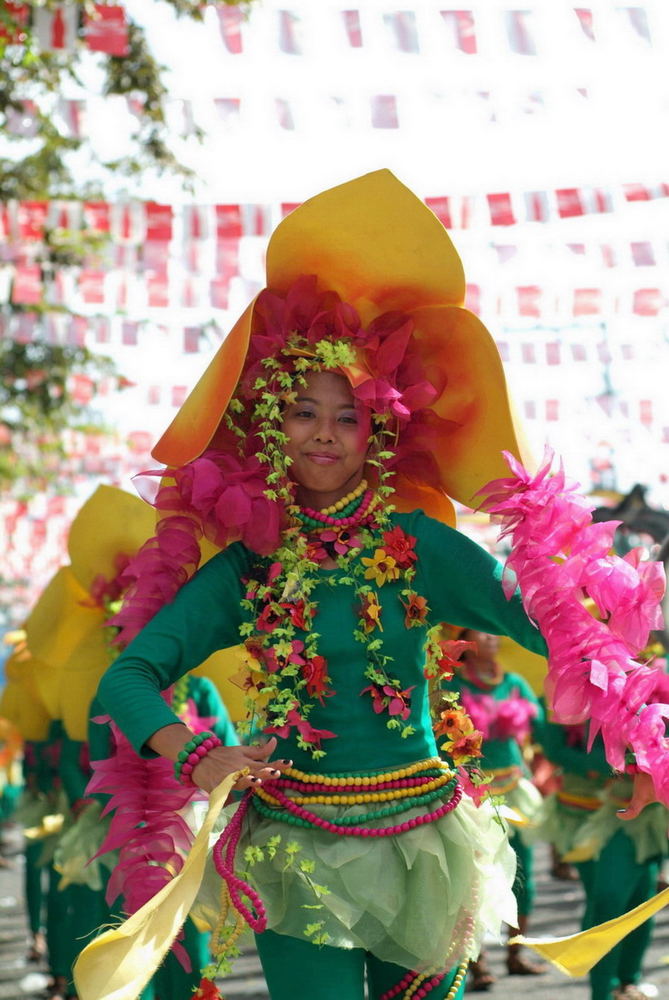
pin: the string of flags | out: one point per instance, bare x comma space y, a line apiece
59, 27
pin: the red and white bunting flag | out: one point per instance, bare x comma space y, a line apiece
284, 113
92, 286
157, 290
290, 32
530, 408
228, 109
228, 221
637, 192
529, 300
153, 395
227, 258
65, 214
219, 293
230, 21
648, 302
646, 411
528, 353
501, 209
192, 336
178, 394
553, 352
24, 327
460, 24
158, 221
129, 333
154, 255
353, 28
587, 302
537, 206
585, 20
106, 30
27, 286
31, 219
73, 115
384, 113
81, 389
102, 327
127, 222
196, 222
569, 202
56, 28
552, 409
78, 328
442, 209
6, 277
643, 254
97, 216
579, 352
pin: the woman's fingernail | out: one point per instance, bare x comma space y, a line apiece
256, 781
284, 760
277, 773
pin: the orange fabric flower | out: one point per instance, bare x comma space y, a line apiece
381, 567
465, 747
453, 722
416, 610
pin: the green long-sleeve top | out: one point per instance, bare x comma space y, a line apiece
462, 585
501, 753
41, 760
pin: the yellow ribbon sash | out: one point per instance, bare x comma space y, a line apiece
576, 954
118, 964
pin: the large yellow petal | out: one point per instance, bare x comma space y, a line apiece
20, 701
372, 241
110, 523
195, 424
219, 668
461, 358
521, 661
119, 963
79, 680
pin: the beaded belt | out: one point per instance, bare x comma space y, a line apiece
290, 797
287, 799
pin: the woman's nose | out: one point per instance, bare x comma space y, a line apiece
325, 431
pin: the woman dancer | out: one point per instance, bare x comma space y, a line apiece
356, 365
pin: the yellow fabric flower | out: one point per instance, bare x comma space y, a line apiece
381, 567
370, 612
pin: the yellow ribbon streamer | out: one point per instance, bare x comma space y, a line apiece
118, 964
576, 954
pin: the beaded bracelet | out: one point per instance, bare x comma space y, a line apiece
191, 755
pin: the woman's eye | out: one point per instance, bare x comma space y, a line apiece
349, 419
303, 413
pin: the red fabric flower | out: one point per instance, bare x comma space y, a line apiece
299, 615
207, 990
400, 546
416, 610
315, 672
270, 616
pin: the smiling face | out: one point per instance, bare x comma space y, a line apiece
327, 439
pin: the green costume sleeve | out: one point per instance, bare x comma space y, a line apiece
204, 616
462, 583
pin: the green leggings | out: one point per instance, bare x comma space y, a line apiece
615, 883
298, 968
524, 885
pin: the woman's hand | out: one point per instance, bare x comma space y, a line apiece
643, 793
222, 761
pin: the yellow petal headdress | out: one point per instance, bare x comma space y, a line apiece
375, 244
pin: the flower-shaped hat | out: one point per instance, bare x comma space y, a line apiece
383, 252
69, 646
